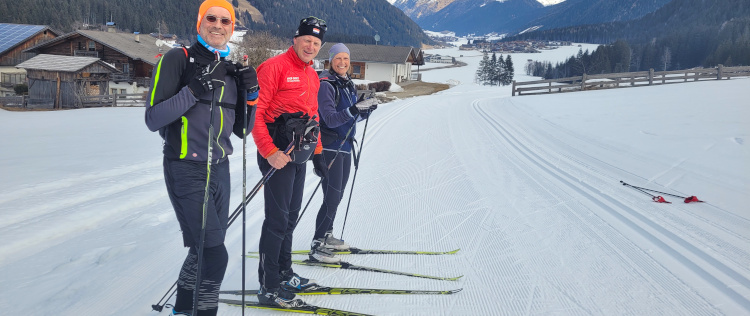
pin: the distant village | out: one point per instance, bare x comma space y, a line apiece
491, 43
528, 46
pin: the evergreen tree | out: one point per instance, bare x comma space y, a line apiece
509, 71
492, 72
481, 73
499, 72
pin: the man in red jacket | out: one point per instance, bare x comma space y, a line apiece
288, 100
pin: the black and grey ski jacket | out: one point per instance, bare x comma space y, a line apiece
182, 119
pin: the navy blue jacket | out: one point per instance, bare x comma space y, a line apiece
335, 119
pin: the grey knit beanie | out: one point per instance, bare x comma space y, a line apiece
336, 49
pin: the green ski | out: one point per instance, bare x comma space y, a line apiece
325, 290
309, 309
358, 251
349, 266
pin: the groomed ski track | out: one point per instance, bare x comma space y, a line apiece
530, 195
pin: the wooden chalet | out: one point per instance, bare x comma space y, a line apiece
133, 55
57, 81
14, 39
379, 62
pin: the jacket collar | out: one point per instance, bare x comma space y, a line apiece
292, 55
201, 54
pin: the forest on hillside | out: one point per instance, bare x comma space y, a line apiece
349, 22
145, 16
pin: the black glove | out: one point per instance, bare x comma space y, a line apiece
208, 78
319, 166
248, 79
354, 110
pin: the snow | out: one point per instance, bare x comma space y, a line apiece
528, 188
547, 3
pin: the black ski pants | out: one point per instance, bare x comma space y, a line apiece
186, 183
333, 190
283, 200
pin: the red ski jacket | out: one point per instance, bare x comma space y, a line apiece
287, 85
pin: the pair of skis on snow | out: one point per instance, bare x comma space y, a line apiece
324, 290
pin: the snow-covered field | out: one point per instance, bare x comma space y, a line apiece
528, 188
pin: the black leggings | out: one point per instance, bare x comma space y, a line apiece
333, 190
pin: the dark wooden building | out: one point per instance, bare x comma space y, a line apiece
60, 81
14, 39
133, 55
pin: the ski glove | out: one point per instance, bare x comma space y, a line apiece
368, 105
364, 106
319, 166
208, 78
248, 79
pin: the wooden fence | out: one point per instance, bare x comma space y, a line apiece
137, 99
122, 100
626, 79
13, 102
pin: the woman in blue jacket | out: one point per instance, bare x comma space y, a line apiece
339, 112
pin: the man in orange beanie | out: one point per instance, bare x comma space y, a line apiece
195, 93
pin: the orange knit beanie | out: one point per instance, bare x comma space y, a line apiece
214, 3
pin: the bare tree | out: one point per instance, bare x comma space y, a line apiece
258, 46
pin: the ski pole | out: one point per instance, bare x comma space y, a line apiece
198, 275
687, 199
338, 150
244, 188
655, 198
356, 168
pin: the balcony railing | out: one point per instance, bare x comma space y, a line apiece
85, 53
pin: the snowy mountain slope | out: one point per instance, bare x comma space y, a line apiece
527, 187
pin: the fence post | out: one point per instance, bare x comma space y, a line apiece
114, 100
583, 81
720, 72
651, 76
513, 91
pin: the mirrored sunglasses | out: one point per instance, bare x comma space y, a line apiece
313, 21
212, 19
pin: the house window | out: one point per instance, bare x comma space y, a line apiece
92, 46
126, 68
113, 91
356, 69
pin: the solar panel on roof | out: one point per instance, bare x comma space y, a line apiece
12, 34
